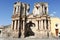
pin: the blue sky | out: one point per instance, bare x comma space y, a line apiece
6, 9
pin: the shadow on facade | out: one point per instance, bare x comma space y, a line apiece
28, 30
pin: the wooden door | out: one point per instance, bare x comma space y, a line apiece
56, 30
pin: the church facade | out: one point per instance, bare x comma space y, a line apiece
36, 24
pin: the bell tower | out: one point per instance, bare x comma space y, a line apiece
18, 18
16, 8
40, 8
44, 8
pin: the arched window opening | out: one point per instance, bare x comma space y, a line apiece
0, 31
15, 10
45, 9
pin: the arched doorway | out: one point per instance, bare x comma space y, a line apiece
56, 30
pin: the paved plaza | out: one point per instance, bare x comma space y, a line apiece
29, 38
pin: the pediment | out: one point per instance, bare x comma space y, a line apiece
30, 16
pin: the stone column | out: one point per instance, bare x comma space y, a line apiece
43, 9
49, 25
42, 31
49, 28
18, 24
15, 25
37, 25
47, 10
48, 34
41, 24
23, 25
14, 10
22, 31
45, 24
12, 25
45, 30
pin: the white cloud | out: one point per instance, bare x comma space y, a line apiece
54, 12
51, 14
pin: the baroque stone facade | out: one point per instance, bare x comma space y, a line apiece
36, 24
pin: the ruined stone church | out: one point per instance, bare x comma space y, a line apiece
36, 24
